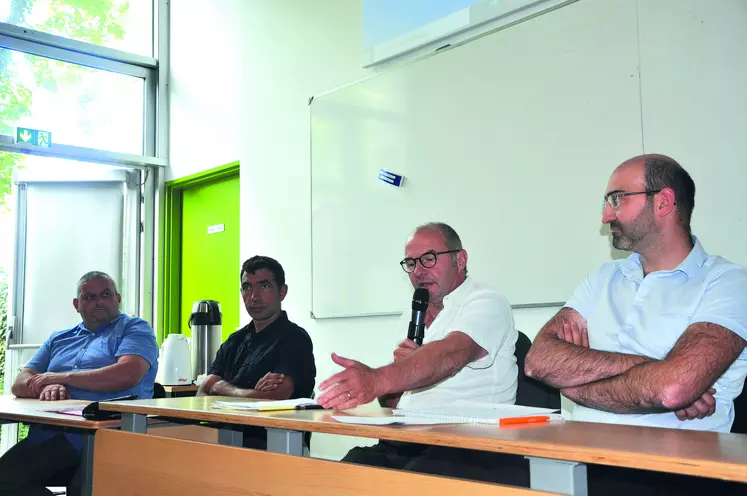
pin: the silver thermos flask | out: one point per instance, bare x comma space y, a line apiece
205, 323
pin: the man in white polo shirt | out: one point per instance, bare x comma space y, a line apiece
656, 339
467, 353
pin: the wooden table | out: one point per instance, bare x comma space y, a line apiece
180, 391
557, 451
30, 411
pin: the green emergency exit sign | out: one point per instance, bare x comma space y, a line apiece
34, 137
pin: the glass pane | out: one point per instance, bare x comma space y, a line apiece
78, 105
126, 25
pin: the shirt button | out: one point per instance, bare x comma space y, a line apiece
75, 366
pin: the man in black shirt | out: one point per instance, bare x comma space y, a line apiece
271, 358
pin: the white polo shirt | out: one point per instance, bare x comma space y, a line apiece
628, 313
483, 314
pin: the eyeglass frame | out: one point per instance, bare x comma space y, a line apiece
419, 259
623, 194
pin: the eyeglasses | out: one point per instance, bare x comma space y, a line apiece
427, 260
614, 198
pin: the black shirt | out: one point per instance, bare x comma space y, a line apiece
281, 347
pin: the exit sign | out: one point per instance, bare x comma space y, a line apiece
34, 137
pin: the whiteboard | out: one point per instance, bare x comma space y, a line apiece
510, 139
694, 100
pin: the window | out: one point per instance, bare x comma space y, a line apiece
78, 105
125, 25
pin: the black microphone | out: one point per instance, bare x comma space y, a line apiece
416, 329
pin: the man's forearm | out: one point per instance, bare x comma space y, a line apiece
225, 388
207, 385
430, 364
563, 365
19, 388
637, 391
111, 378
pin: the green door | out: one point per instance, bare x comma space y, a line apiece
210, 262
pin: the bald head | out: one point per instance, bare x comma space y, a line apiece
450, 237
659, 172
449, 261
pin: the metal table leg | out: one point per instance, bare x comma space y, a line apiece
231, 435
285, 441
558, 476
135, 422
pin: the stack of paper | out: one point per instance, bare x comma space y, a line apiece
263, 406
461, 412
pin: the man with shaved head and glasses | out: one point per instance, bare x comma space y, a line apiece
656, 339
467, 354
107, 355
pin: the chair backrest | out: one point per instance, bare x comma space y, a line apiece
147, 465
740, 414
158, 391
531, 392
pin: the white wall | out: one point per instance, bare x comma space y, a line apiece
283, 52
292, 50
204, 89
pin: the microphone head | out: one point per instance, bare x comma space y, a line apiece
420, 299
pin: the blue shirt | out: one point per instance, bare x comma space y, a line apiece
629, 313
79, 349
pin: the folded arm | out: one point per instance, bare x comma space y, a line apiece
126, 373
270, 387
698, 358
563, 364
20, 387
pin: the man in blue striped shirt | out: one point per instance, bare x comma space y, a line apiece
109, 354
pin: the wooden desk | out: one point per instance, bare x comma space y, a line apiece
176, 467
555, 449
30, 411
180, 391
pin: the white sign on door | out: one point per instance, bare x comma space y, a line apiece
216, 228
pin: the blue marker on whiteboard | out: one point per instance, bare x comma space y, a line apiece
391, 178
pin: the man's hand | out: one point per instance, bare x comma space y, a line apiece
404, 349
705, 406
54, 392
356, 385
270, 382
574, 333
36, 383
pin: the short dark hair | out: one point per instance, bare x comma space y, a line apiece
259, 262
662, 172
95, 274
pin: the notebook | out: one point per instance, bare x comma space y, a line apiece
474, 412
352, 419
461, 412
258, 406
74, 411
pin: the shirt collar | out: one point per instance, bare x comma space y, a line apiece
82, 325
632, 268
276, 324
460, 293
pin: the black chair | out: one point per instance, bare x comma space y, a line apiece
531, 392
740, 414
158, 391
